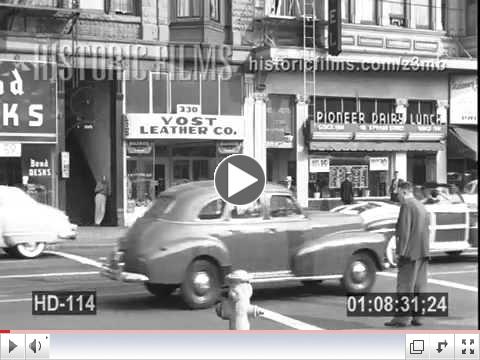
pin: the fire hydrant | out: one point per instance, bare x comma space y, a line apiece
236, 306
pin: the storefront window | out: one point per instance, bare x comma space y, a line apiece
185, 92
137, 96
280, 117
210, 96
231, 96
369, 179
140, 182
160, 93
367, 106
37, 172
181, 171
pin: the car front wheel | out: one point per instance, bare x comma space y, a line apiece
28, 251
360, 274
201, 286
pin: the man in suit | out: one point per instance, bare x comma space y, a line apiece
346, 190
412, 249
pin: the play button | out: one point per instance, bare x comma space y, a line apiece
239, 179
11, 346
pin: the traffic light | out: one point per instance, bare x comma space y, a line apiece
334, 27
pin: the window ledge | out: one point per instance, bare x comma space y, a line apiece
101, 16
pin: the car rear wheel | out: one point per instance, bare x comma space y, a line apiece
202, 284
360, 274
390, 251
160, 290
28, 251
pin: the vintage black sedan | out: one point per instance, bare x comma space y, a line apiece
190, 239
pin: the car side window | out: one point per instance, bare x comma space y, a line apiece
283, 206
213, 210
249, 211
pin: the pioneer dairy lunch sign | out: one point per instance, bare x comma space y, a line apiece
184, 126
27, 101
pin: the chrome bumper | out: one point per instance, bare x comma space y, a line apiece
71, 234
113, 269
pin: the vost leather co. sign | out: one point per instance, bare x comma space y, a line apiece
27, 101
184, 126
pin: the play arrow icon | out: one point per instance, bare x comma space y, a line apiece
238, 180
11, 346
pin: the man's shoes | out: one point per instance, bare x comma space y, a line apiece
395, 323
416, 323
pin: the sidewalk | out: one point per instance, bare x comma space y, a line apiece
97, 236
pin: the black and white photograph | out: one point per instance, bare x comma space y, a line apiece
238, 165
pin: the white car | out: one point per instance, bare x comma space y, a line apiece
470, 193
453, 225
27, 226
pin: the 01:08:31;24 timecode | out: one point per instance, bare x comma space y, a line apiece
401, 304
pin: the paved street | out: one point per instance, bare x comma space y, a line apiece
129, 306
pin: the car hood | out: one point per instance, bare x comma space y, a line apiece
326, 218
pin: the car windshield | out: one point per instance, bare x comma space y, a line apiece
162, 206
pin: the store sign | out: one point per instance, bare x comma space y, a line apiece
184, 126
463, 100
361, 118
28, 99
65, 165
379, 164
36, 162
338, 175
319, 165
8, 149
139, 148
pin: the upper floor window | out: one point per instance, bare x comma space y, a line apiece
366, 11
124, 7
472, 25
91, 5
423, 14
347, 11
395, 12
188, 8
214, 10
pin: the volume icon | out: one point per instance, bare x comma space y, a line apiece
35, 346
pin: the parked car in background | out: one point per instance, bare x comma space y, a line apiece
190, 239
27, 226
453, 224
470, 193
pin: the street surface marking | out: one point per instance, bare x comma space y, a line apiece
15, 300
287, 321
450, 284
453, 272
77, 258
27, 276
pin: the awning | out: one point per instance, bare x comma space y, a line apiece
462, 142
375, 146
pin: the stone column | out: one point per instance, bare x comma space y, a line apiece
149, 20
301, 151
437, 15
441, 157
260, 129
163, 19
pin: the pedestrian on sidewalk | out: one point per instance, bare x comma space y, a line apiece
412, 249
101, 193
394, 187
346, 190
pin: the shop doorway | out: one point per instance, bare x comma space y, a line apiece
89, 128
417, 170
10, 171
